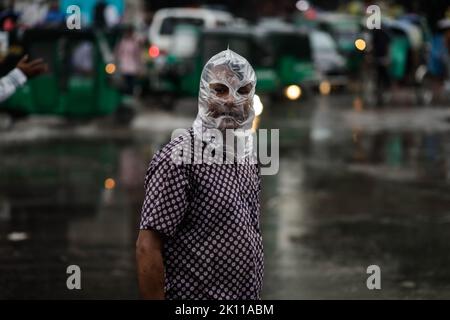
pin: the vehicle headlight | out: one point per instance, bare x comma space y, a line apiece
293, 92
360, 44
325, 88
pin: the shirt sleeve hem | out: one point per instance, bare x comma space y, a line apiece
17, 77
164, 232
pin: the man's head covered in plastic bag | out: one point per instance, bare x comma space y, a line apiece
227, 87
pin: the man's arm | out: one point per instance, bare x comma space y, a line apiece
10, 82
150, 264
17, 77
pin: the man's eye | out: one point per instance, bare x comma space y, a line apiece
245, 89
220, 89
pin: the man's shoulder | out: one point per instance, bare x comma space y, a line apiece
169, 150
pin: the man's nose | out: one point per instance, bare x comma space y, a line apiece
230, 101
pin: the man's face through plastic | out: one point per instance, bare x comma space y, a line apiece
226, 92
229, 100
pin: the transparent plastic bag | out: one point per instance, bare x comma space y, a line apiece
225, 101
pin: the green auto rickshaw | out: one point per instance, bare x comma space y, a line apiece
403, 63
179, 74
244, 42
345, 30
287, 50
82, 80
282, 59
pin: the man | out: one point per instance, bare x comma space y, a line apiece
381, 44
18, 76
200, 233
128, 54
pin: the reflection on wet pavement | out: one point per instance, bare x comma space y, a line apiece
352, 191
55, 193
345, 199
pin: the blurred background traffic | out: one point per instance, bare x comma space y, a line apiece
361, 98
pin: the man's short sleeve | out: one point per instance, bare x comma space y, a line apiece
166, 193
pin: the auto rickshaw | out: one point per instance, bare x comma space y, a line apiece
176, 73
282, 59
403, 63
243, 42
438, 62
179, 74
345, 30
287, 50
81, 81
408, 52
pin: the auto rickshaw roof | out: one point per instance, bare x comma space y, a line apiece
42, 33
228, 30
336, 17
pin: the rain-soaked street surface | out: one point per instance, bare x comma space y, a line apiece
355, 187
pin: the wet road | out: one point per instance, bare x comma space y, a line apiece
355, 187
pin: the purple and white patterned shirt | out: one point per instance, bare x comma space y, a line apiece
208, 215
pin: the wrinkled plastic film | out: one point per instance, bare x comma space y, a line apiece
227, 88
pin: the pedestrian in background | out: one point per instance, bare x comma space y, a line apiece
128, 55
